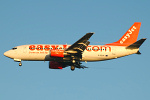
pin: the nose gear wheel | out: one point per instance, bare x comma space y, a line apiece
20, 64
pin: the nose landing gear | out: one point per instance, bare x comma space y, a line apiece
18, 60
20, 64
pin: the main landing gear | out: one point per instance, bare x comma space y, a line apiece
72, 67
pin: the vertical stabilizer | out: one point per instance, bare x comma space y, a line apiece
129, 37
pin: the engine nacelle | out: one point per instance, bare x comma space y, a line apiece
56, 53
55, 65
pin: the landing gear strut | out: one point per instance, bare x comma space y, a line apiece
72, 68
20, 64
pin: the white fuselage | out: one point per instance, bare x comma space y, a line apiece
41, 52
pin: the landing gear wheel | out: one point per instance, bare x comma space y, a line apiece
73, 61
72, 68
20, 64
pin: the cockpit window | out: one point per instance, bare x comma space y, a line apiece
14, 48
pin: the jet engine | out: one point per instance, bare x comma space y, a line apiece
55, 65
56, 53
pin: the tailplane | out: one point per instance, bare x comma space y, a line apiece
136, 45
129, 37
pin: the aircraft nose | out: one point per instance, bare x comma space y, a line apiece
6, 53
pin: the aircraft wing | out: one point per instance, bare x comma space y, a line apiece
80, 45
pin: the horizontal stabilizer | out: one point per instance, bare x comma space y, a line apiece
138, 53
136, 45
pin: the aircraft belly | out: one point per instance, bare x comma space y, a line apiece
100, 56
96, 56
34, 57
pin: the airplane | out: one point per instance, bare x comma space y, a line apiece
61, 56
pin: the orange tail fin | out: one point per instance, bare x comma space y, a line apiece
129, 37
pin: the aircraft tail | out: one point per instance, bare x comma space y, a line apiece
129, 37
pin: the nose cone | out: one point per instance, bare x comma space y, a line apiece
7, 54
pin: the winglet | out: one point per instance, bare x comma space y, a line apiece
129, 37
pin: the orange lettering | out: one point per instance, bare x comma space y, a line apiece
88, 48
54, 46
95, 48
39, 47
64, 46
47, 47
32, 47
